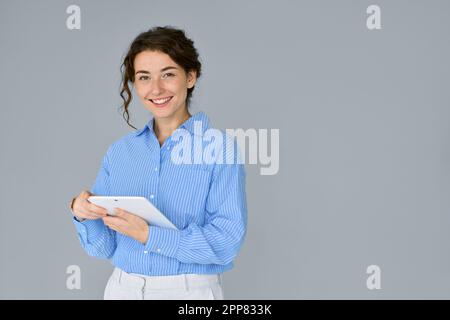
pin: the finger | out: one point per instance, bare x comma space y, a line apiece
115, 221
107, 220
87, 216
93, 214
111, 226
114, 227
87, 213
127, 215
117, 216
107, 224
123, 214
130, 217
85, 194
96, 209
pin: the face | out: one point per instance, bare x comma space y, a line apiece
162, 85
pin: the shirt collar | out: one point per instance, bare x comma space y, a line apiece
200, 118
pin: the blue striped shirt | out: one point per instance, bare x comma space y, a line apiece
205, 201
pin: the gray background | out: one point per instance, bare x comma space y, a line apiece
364, 138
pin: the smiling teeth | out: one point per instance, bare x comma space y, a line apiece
161, 101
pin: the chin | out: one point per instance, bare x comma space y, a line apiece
162, 113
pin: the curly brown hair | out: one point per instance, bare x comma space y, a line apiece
167, 39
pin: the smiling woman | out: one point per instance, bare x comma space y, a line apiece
161, 63
162, 91
206, 203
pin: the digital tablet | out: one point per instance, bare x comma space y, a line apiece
139, 206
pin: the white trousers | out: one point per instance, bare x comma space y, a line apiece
130, 286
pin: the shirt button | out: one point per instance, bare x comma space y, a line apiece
145, 251
152, 196
158, 250
156, 168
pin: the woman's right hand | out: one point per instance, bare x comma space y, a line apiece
82, 209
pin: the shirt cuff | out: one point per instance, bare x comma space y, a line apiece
164, 241
89, 229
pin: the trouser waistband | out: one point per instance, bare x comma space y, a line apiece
181, 281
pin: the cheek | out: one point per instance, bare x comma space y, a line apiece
176, 85
140, 90
180, 89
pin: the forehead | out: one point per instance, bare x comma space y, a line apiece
153, 61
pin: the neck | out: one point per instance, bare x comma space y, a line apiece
164, 127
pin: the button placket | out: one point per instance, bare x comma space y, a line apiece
154, 186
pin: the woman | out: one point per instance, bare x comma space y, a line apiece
205, 201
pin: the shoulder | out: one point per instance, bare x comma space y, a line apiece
223, 146
123, 143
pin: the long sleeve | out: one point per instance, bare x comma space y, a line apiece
95, 238
219, 240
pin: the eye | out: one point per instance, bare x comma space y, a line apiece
143, 78
168, 74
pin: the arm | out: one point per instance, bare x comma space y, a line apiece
95, 238
218, 241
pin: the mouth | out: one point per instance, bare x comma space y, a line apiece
161, 102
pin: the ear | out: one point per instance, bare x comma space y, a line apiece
191, 78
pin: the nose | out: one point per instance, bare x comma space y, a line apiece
155, 87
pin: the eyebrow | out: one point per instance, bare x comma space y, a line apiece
163, 69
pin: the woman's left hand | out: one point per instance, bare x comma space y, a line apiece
128, 224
